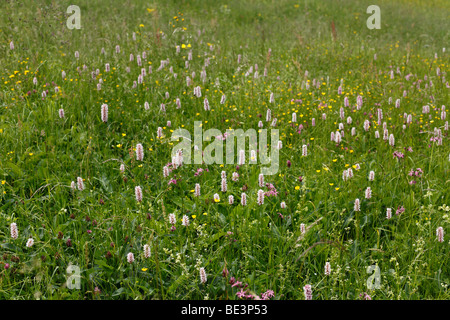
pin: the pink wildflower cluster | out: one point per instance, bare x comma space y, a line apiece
200, 171
400, 210
398, 155
417, 173
272, 191
244, 293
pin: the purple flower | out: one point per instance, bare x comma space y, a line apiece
240, 294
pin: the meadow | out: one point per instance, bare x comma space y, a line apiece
94, 204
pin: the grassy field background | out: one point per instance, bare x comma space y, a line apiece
96, 228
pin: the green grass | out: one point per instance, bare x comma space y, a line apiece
42, 153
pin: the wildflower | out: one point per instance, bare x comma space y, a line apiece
337, 137
11, 45
268, 115
357, 206
235, 176
350, 172
172, 219
261, 180
440, 234
216, 197
283, 205
197, 92
327, 268
240, 294
366, 297
304, 150
225, 272
368, 193
80, 183
260, 199
202, 275
391, 140
139, 152
206, 105
267, 295
14, 231
130, 257
388, 213
241, 157
165, 171
159, 132
147, 251
294, 117
302, 228
104, 112
243, 199
308, 292
366, 125
345, 175
400, 210
138, 193
398, 155
224, 185
272, 99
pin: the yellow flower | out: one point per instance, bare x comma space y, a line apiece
317, 171
141, 25
297, 188
3, 181
336, 189
216, 200
194, 216
331, 184
144, 269
205, 214
150, 10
